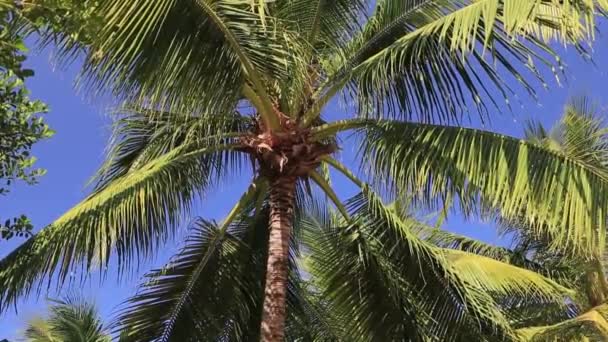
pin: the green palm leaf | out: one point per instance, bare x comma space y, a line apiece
267, 62
141, 135
322, 23
580, 134
502, 279
411, 59
194, 297
213, 288
70, 320
370, 273
488, 170
171, 303
590, 326
129, 216
165, 51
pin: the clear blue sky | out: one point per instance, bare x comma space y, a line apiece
73, 154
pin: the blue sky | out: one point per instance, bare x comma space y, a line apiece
83, 128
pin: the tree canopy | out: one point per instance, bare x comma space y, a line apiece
21, 123
214, 89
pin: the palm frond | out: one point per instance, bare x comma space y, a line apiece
141, 135
520, 286
39, 330
504, 280
130, 216
446, 239
590, 326
163, 52
371, 275
426, 59
70, 320
213, 289
487, 170
166, 306
323, 23
535, 313
580, 134
196, 295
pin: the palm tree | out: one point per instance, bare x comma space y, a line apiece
70, 320
581, 134
362, 284
215, 84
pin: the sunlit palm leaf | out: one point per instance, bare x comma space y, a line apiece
491, 170
503, 280
130, 216
517, 256
412, 59
590, 326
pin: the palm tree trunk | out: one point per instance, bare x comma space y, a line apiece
282, 193
597, 287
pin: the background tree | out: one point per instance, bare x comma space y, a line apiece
217, 86
581, 134
21, 125
69, 320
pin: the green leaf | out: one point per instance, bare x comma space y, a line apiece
430, 60
590, 326
488, 171
383, 282
129, 216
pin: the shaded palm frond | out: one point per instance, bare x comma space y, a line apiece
384, 283
213, 289
313, 320
142, 135
323, 23
197, 295
165, 52
530, 314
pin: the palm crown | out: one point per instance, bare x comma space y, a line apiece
217, 85
69, 320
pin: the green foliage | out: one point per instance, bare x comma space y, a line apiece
590, 326
69, 320
21, 125
487, 170
196, 72
213, 288
371, 274
77, 20
21, 128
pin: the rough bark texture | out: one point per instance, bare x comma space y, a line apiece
597, 287
282, 193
